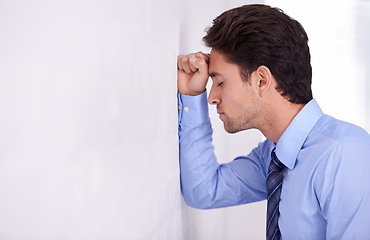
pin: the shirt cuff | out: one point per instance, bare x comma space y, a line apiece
193, 109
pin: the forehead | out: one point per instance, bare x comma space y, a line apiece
219, 66
216, 58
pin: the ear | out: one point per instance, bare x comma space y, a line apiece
264, 80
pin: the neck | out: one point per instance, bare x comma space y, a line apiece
279, 118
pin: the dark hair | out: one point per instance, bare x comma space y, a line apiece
255, 35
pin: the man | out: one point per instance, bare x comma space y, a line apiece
312, 169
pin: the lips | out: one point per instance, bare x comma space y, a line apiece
219, 113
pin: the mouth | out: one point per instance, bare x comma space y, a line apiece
220, 114
219, 110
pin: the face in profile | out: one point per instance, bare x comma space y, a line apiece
236, 101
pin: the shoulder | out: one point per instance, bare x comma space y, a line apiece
329, 127
330, 134
337, 147
341, 151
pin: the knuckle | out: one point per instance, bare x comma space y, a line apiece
199, 54
184, 59
203, 63
191, 55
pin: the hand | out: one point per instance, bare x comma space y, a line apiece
192, 73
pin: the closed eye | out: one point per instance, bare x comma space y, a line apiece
220, 84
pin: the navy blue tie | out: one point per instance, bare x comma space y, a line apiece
274, 182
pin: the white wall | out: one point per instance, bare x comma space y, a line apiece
88, 143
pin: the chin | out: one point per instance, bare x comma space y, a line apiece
231, 130
234, 129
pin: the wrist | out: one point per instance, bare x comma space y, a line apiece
193, 109
191, 93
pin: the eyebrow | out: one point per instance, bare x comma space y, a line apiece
214, 74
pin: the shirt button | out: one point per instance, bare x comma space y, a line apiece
186, 109
179, 107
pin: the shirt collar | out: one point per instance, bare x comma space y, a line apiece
290, 143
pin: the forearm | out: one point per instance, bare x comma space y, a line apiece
197, 160
205, 183
198, 165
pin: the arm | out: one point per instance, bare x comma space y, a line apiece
205, 183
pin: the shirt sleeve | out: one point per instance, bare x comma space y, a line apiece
343, 195
204, 182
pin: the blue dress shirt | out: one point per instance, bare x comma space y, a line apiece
326, 189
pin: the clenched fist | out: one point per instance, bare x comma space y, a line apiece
192, 73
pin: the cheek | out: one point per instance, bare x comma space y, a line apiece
234, 97
233, 104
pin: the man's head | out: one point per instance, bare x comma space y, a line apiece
258, 35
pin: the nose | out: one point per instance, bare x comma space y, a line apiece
213, 97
